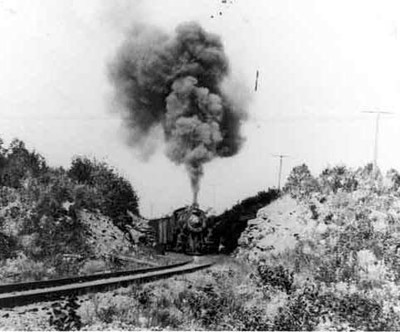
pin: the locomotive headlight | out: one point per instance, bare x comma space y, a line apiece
195, 223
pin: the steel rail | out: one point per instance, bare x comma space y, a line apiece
17, 287
13, 299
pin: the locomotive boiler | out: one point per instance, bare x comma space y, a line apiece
187, 230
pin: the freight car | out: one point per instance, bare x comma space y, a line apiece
187, 230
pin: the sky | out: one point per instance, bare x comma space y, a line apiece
321, 64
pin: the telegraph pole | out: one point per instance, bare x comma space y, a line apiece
378, 116
280, 156
256, 84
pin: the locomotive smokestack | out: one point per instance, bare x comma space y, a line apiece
195, 196
173, 83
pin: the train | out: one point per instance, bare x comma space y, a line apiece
187, 230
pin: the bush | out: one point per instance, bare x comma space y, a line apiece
276, 276
300, 183
251, 319
370, 178
17, 164
8, 245
22, 268
209, 300
113, 195
64, 317
312, 306
338, 177
303, 312
394, 179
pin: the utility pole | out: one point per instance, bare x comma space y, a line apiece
256, 84
378, 116
280, 156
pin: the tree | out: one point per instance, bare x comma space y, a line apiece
393, 177
115, 195
53, 226
369, 178
82, 170
300, 183
18, 163
338, 177
3, 159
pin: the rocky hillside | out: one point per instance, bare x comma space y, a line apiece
332, 243
277, 227
53, 221
103, 236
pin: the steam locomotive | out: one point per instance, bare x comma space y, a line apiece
187, 230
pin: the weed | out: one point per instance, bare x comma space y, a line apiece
64, 317
276, 276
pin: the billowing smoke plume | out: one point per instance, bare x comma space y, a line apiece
175, 82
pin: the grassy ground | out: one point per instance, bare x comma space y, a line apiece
231, 295
217, 298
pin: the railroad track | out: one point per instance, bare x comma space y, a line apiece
17, 287
13, 295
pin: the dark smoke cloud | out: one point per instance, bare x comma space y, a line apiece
175, 82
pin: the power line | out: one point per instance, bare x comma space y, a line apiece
378, 116
280, 156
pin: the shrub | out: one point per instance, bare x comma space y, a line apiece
64, 317
370, 178
303, 312
115, 194
338, 177
22, 268
251, 319
109, 192
276, 276
393, 177
8, 245
313, 305
17, 163
117, 307
300, 183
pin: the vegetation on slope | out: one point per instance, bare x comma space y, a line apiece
343, 272
340, 274
40, 210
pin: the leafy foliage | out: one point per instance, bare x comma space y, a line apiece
8, 245
17, 164
22, 268
313, 305
394, 177
276, 276
64, 317
338, 177
300, 183
54, 226
114, 195
41, 206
